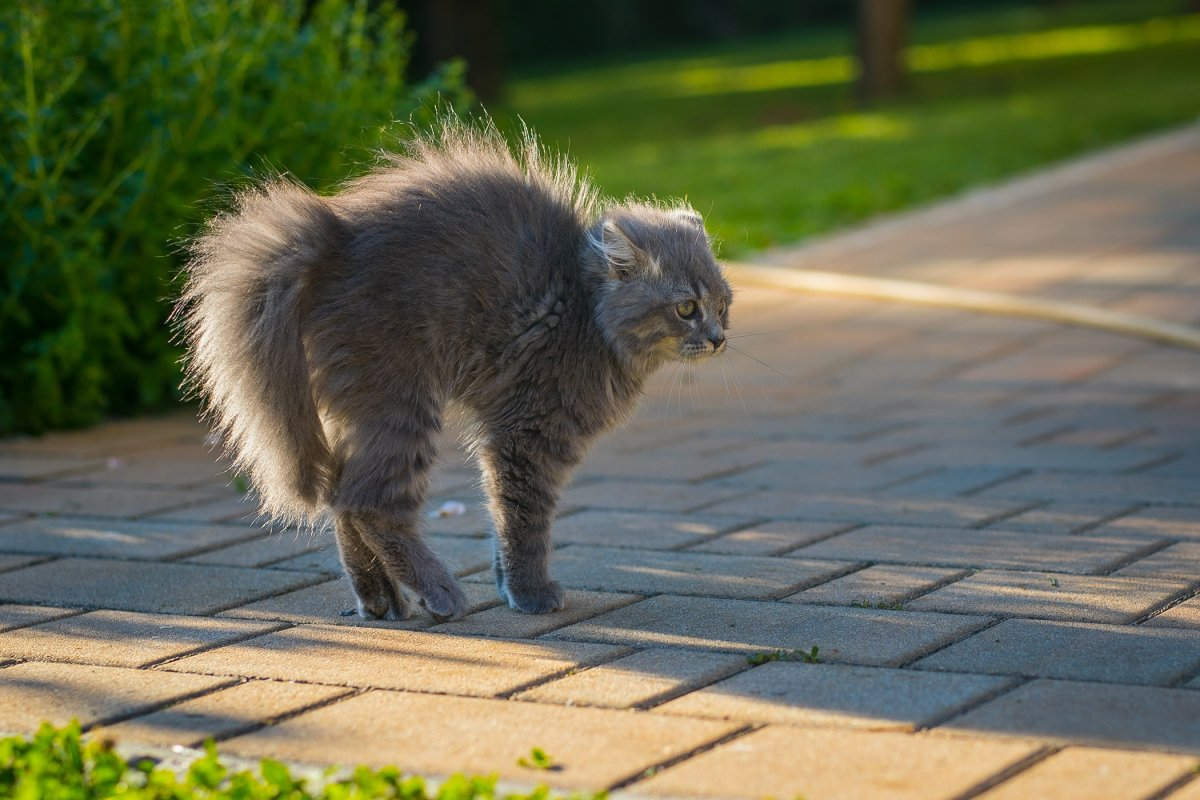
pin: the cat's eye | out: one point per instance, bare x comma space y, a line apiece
687, 309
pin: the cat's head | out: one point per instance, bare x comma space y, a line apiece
662, 295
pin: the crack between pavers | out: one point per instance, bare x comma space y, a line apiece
276, 627
159, 706
1011, 771
1176, 600
1153, 463
812, 583
1000, 516
1151, 547
272, 721
1107, 518
1173, 786
658, 767
912, 659
983, 487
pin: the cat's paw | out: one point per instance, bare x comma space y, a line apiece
390, 607
445, 602
542, 598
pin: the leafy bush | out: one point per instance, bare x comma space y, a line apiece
59, 763
118, 121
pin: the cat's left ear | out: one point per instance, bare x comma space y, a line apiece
625, 259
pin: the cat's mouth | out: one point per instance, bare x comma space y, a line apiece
699, 352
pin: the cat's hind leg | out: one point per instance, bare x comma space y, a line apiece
378, 596
380, 491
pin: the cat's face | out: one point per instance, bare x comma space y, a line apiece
665, 297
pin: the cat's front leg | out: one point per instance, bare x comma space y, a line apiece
522, 475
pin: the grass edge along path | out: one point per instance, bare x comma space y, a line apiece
62, 763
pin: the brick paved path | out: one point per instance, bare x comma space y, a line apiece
989, 528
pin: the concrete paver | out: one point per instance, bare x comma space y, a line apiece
1070, 712
646, 531
782, 761
881, 586
396, 659
123, 638
594, 747
971, 548
847, 635
1126, 654
770, 538
142, 585
113, 538
18, 616
33, 692
221, 714
836, 695
1044, 595
988, 525
1098, 774
645, 678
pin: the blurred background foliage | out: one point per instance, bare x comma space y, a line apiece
120, 121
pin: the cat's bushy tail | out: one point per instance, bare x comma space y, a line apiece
242, 314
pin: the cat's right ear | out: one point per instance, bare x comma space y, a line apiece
624, 258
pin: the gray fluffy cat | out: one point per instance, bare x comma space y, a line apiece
327, 335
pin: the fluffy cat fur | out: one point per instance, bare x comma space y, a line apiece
328, 334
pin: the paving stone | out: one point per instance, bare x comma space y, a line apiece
1075, 651
655, 572
396, 659
235, 510
972, 548
333, 602
475, 522
22, 467
122, 638
1045, 595
838, 695
143, 586
872, 509
1094, 773
846, 635
1177, 561
1103, 714
35, 692
770, 538
1184, 615
18, 616
96, 501
265, 547
641, 679
594, 747
642, 496
646, 531
781, 761
1063, 517
1190, 791
16, 562
113, 538
1119, 488
816, 475
952, 482
1181, 522
224, 713
504, 622
878, 586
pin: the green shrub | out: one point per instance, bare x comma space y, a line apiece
119, 120
58, 763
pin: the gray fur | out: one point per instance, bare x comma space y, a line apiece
327, 335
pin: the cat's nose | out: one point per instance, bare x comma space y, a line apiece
717, 340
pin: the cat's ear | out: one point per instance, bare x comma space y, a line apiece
625, 259
690, 216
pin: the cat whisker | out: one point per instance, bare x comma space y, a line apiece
759, 333
736, 349
729, 394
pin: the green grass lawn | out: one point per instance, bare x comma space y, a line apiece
766, 139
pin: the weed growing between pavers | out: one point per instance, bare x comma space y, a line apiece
806, 656
60, 763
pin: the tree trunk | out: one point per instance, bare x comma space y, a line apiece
882, 32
